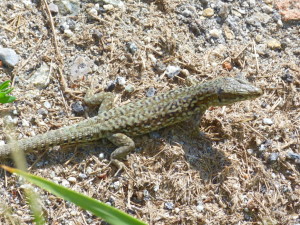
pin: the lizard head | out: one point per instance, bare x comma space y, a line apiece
229, 90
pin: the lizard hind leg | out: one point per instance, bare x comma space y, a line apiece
104, 99
125, 145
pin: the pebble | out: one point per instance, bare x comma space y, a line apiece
267, 121
169, 205
159, 66
150, 92
42, 111
67, 7
25, 123
65, 183
72, 179
101, 156
224, 11
132, 47
82, 175
273, 157
41, 77
97, 35
200, 207
77, 108
267, 9
8, 120
117, 3
208, 12
215, 33
110, 86
172, 71
68, 33
129, 88
47, 105
228, 33
108, 7
288, 77
80, 68
294, 156
274, 44
121, 81
9, 57
93, 12
53, 9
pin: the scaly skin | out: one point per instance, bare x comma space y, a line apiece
143, 116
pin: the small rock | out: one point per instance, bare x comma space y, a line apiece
25, 123
97, 35
150, 92
200, 207
215, 33
228, 33
267, 9
169, 205
172, 71
71, 7
274, 44
224, 11
82, 175
252, 3
250, 151
159, 66
72, 179
65, 183
9, 57
47, 105
110, 85
81, 67
43, 111
146, 195
208, 12
77, 108
116, 185
68, 33
53, 9
93, 12
132, 47
273, 157
108, 7
116, 3
267, 121
41, 77
294, 156
101, 155
287, 77
121, 81
129, 88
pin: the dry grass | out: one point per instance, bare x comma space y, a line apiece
210, 179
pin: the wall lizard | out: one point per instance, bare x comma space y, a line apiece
139, 117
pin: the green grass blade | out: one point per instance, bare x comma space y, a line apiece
106, 212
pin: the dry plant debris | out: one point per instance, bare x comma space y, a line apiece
242, 169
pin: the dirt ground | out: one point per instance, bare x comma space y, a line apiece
242, 168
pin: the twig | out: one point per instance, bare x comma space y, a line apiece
52, 28
256, 58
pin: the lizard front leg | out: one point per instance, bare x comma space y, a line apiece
125, 146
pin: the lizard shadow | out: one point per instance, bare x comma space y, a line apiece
196, 150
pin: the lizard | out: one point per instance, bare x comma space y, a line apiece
119, 124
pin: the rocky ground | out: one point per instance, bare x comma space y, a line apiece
244, 167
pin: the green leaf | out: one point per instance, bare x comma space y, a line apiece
7, 99
106, 212
4, 85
